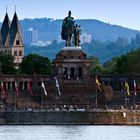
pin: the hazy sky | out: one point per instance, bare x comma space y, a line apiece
121, 12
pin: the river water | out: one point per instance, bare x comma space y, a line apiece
69, 132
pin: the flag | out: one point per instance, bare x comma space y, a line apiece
43, 85
16, 87
29, 88
2, 88
98, 83
127, 88
57, 86
135, 93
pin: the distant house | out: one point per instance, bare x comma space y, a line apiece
11, 39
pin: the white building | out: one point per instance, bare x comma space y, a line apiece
30, 36
85, 38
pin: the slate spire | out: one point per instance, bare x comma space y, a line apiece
5, 28
14, 29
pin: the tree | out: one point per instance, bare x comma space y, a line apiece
95, 66
110, 66
137, 39
125, 64
121, 42
6, 64
34, 63
121, 65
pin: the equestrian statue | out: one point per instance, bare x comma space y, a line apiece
70, 30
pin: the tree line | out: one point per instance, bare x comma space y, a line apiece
31, 64
127, 63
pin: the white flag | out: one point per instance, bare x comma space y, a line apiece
42, 84
57, 86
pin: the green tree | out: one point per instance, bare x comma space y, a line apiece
122, 42
95, 66
34, 63
110, 66
7, 65
137, 39
121, 65
125, 64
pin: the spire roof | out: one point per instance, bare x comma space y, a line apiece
14, 28
5, 28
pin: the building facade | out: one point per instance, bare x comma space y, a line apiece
11, 39
30, 36
85, 38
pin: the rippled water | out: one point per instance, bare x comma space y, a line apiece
69, 132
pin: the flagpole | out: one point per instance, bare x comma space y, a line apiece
96, 101
55, 97
1, 96
41, 101
125, 99
28, 100
135, 88
14, 101
58, 93
134, 100
55, 102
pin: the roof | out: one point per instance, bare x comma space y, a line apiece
5, 28
71, 53
14, 28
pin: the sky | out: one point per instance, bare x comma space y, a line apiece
119, 12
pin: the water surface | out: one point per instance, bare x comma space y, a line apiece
69, 132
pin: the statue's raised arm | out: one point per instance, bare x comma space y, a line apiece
67, 29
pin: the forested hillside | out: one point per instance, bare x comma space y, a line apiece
50, 29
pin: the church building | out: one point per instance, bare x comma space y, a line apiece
11, 39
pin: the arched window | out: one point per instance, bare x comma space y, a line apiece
17, 41
15, 53
20, 53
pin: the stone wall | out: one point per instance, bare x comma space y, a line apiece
117, 117
80, 91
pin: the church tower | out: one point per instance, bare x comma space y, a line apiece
16, 42
11, 39
5, 29
4, 33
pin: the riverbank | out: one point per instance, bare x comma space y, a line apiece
95, 117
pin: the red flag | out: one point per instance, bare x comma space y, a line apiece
135, 88
29, 88
2, 88
16, 87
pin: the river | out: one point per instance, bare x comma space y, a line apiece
69, 132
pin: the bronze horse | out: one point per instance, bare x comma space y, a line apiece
68, 33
